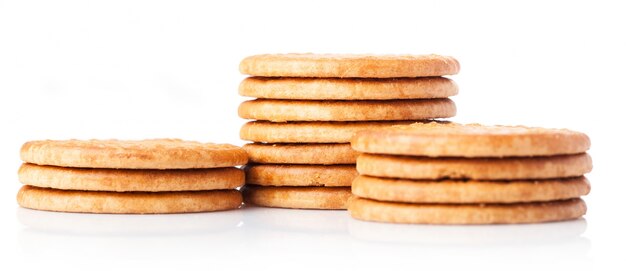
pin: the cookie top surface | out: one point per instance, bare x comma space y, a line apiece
139, 154
471, 140
347, 89
348, 66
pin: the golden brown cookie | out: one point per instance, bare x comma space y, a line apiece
308, 132
289, 88
393, 212
345, 66
132, 154
127, 202
122, 180
320, 154
472, 140
331, 198
509, 168
300, 175
300, 110
472, 191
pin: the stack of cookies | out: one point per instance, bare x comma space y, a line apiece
470, 174
307, 108
130, 177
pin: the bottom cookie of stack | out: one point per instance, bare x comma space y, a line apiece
77, 201
515, 213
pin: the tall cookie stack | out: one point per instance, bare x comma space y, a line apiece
131, 177
470, 174
308, 107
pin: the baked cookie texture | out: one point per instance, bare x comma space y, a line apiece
125, 180
300, 110
536, 212
308, 132
308, 107
127, 203
472, 140
300, 175
448, 173
328, 198
289, 88
317, 154
509, 168
348, 66
469, 191
140, 154
155, 176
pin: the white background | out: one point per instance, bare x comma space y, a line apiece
146, 69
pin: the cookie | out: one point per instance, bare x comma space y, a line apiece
139, 154
347, 66
393, 212
300, 110
308, 132
331, 198
122, 180
321, 154
300, 175
472, 191
510, 168
472, 140
127, 203
347, 89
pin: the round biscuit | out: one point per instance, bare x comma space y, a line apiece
471, 140
308, 132
74, 201
320, 154
289, 88
517, 213
302, 110
348, 66
472, 191
509, 168
132, 154
300, 175
329, 198
123, 180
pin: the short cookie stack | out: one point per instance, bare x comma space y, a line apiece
308, 107
130, 177
470, 174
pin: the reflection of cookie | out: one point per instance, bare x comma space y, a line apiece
457, 191
301, 110
300, 175
371, 210
344, 66
128, 202
308, 132
297, 197
322, 154
509, 168
473, 140
121, 180
347, 89
148, 154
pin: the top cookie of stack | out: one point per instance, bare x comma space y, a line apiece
309, 106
